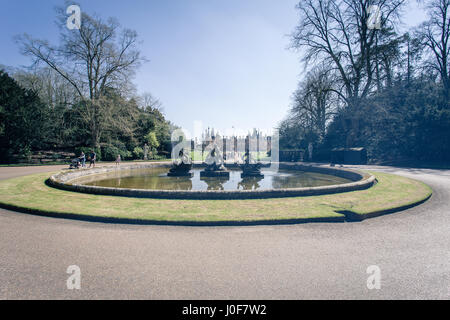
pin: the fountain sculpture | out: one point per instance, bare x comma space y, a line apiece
250, 168
181, 166
214, 163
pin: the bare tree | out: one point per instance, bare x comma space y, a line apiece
340, 32
387, 57
52, 89
93, 59
314, 102
435, 34
148, 102
412, 55
56, 93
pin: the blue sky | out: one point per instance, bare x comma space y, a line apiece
222, 62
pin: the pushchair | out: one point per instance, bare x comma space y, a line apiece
75, 164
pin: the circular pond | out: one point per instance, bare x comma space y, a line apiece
157, 179
152, 181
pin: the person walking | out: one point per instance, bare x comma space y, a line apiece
118, 159
93, 157
83, 159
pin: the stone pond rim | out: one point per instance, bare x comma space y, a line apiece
360, 181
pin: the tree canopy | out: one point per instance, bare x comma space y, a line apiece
78, 95
371, 86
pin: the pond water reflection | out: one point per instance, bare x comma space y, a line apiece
157, 179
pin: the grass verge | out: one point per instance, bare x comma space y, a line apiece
31, 194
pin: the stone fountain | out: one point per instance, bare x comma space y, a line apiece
250, 168
214, 163
182, 166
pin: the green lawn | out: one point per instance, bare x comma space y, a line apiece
391, 191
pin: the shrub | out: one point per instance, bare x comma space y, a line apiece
110, 153
138, 153
152, 140
55, 156
24, 152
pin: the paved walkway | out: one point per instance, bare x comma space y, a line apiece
306, 261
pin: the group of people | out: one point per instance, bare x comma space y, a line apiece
92, 157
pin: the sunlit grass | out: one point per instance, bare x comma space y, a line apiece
391, 191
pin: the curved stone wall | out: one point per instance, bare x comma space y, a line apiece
360, 181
